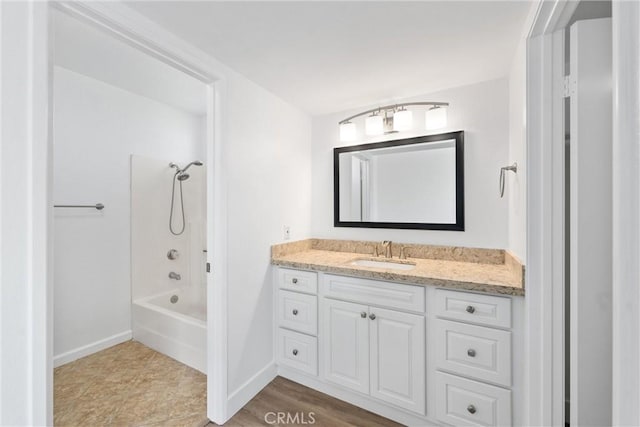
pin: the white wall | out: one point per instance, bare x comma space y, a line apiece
517, 183
482, 111
151, 186
96, 129
269, 181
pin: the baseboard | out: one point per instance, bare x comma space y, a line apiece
249, 389
94, 347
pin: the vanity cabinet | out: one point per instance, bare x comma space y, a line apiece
375, 351
473, 362
297, 320
420, 355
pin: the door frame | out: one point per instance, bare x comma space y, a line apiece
545, 213
545, 312
127, 25
625, 22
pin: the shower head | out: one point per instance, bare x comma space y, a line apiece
196, 163
183, 176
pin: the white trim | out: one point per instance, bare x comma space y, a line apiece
140, 32
250, 388
626, 213
26, 392
545, 219
94, 347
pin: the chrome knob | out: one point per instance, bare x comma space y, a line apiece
363, 314
372, 316
471, 309
295, 352
294, 280
471, 353
471, 409
295, 312
173, 254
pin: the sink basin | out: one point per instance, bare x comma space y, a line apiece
387, 264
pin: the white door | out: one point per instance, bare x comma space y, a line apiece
590, 216
346, 344
397, 342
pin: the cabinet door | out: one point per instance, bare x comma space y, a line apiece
397, 342
346, 344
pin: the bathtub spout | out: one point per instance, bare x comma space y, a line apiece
175, 276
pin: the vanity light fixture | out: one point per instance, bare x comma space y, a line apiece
402, 120
393, 118
374, 125
347, 131
435, 118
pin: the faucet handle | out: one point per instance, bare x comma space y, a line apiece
375, 250
403, 254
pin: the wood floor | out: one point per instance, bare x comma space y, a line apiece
311, 408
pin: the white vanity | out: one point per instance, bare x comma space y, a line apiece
415, 353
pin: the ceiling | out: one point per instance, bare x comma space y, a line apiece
83, 48
326, 56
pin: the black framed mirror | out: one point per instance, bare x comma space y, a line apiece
412, 183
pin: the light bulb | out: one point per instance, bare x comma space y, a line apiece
373, 125
402, 120
435, 118
347, 132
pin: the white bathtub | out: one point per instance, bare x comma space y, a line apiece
177, 329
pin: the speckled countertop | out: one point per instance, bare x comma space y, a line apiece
485, 270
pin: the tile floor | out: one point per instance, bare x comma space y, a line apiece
129, 385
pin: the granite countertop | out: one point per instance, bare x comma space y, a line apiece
486, 270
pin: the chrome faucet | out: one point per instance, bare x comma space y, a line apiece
175, 276
386, 245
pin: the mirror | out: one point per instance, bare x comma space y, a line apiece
413, 183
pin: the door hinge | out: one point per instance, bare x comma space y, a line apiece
208, 267
566, 90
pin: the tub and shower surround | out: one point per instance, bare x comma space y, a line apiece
168, 268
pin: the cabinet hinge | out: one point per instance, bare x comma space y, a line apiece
566, 87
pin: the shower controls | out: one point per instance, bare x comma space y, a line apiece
173, 254
295, 352
175, 276
295, 312
174, 299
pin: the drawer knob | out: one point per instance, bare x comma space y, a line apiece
294, 280
295, 311
372, 316
471, 353
471, 309
471, 409
295, 353
363, 314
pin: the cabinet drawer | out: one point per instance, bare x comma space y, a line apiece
296, 280
465, 402
482, 309
474, 351
298, 311
298, 351
385, 294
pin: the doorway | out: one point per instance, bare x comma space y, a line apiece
128, 100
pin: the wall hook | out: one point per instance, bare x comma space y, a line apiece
513, 168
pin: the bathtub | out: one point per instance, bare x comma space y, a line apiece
174, 323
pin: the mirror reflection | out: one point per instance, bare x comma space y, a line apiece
408, 183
